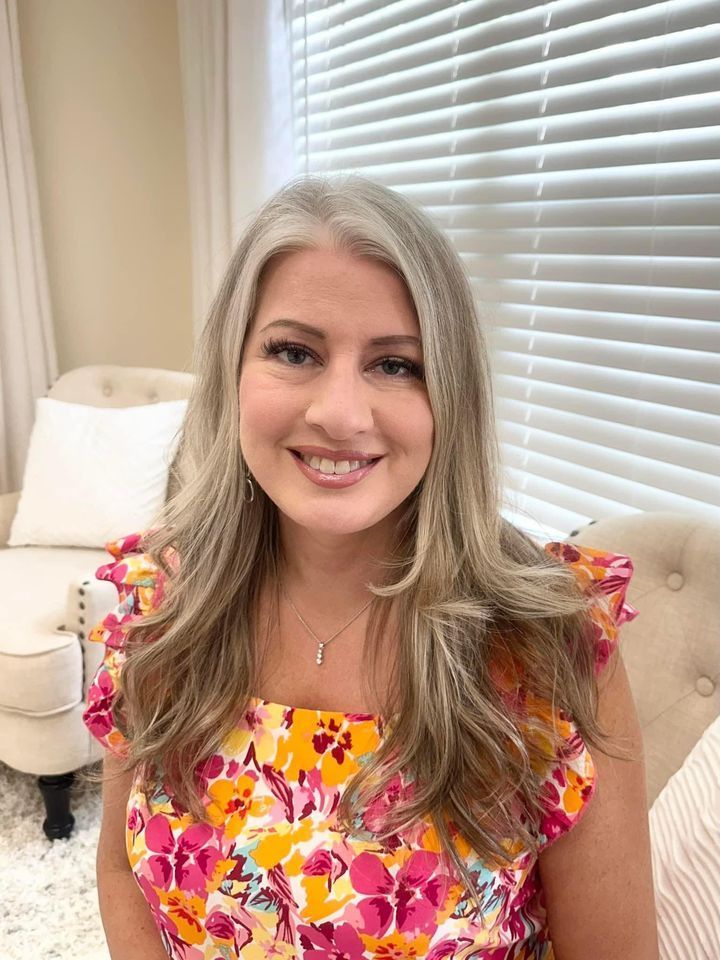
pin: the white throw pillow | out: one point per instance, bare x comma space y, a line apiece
685, 837
93, 474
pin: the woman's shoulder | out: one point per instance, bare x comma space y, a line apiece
593, 565
570, 779
139, 581
604, 576
130, 563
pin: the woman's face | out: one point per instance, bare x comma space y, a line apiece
334, 388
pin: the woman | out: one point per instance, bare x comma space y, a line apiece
356, 702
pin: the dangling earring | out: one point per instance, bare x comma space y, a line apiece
249, 482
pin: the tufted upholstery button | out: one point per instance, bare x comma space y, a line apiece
153, 396
675, 581
107, 389
704, 686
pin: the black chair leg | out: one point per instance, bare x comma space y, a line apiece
56, 790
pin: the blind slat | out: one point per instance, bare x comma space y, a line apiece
678, 241
546, 216
525, 71
695, 465
598, 298
608, 403
695, 397
471, 104
626, 271
699, 367
508, 141
620, 487
572, 28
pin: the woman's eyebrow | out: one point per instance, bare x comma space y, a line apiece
311, 331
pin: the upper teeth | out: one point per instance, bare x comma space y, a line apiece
333, 466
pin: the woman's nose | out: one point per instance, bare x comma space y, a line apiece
340, 400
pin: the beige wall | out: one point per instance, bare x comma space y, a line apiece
102, 80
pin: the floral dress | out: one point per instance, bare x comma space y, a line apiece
272, 875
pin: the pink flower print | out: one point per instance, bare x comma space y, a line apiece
413, 898
186, 859
97, 716
555, 824
311, 793
443, 950
602, 645
323, 941
565, 796
135, 823
377, 809
324, 863
220, 926
372, 819
162, 920
317, 863
117, 622
209, 769
255, 718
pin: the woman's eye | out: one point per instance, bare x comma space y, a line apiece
413, 369
276, 347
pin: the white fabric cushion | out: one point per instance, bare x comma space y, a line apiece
93, 473
685, 836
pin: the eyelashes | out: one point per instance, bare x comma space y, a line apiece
273, 346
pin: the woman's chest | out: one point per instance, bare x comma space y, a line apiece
275, 874
290, 674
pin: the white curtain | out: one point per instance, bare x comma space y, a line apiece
235, 63
28, 359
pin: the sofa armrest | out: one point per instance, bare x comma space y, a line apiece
88, 602
8, 509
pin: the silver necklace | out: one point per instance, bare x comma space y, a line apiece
321, 643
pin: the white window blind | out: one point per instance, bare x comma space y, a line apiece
571, 150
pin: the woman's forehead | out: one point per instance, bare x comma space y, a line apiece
326, 265
333, 290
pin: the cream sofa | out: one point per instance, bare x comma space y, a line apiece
49, 597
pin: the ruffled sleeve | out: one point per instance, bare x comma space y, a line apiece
571, 780
139, 583
609, 574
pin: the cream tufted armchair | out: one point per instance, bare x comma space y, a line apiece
671, 650
49, 598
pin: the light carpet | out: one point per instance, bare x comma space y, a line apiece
49, 907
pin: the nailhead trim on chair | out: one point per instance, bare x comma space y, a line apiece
81, 633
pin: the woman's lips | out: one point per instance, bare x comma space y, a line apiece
333, 480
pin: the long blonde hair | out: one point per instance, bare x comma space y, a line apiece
471, 589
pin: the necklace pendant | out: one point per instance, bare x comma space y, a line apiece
319, 657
